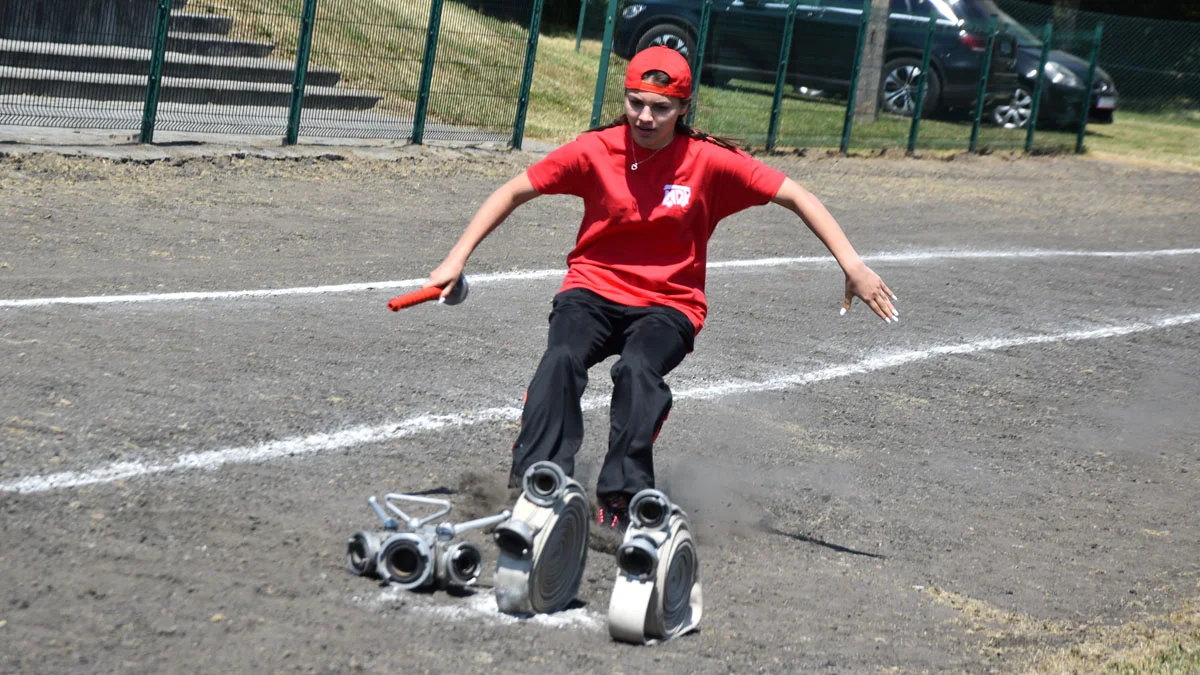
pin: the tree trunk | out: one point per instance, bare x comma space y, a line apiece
866, 107
1065, 12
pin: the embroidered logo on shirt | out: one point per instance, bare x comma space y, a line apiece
676, 195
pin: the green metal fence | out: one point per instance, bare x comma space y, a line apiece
771, 72
979, 86
58, 69
385, 69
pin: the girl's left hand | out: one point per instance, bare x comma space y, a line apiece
862, 282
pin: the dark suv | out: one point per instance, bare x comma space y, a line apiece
745, 36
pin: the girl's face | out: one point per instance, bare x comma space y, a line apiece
652, 117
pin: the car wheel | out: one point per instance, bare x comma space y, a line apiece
668, 35
1014, 114
898, 88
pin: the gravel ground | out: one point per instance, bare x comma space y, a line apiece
992, 480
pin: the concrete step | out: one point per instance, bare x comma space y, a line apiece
208, 45
209, 24
130, 61
119, 87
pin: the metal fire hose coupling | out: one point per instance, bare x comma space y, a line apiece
543, 547
422, 555
657, 595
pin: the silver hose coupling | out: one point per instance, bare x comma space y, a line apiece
411, 552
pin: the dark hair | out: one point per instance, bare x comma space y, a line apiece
661, 79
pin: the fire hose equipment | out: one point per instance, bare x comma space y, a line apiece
423, 555
657, 595
543, 547
457, 295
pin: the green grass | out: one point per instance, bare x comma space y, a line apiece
377, 46
1173, 661
1162, 139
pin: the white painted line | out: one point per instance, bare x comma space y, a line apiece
482, 606
266, 293
363, 435
296, 446
530, 275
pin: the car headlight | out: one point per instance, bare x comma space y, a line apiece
1057, 74
632, 11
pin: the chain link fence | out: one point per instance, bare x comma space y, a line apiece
382, 69
773, 73
1154, 64
82, 63
779, 73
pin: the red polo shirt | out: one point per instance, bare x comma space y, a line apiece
644, 236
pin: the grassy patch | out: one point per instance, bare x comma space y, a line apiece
1175, 660
1169, 139
1165, 644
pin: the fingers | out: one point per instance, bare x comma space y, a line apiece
880, 301
878, 307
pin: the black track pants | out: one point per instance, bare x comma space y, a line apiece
584, 330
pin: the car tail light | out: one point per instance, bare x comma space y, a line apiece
975, 43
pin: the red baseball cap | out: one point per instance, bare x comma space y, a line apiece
668, 61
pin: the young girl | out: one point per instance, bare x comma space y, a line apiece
653, 191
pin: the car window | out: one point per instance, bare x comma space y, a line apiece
920, 8
972, 11
1024, 36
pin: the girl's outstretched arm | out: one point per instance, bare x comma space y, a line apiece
861, 281
494, 210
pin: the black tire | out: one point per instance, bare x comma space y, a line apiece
898, 87
669, 35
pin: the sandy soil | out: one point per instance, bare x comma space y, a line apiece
968, 509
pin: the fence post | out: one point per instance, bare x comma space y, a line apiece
785, 51
922, 80
1091, 82
303, 48
535, 25
698, 59
985, 73
154, 81
610, 21
852, 96
579, 31
431, 41
1047, 34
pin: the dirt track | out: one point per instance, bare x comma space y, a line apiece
964, 511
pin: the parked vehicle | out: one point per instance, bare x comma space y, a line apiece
1062, 92
745, 36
